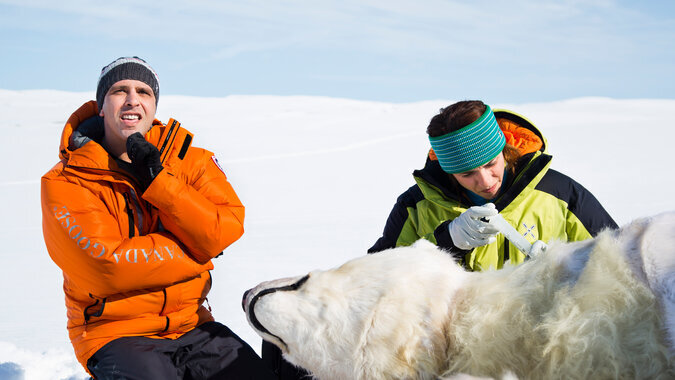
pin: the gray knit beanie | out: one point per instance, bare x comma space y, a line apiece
126, 68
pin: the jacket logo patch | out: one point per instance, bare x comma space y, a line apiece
215, 161
529, 230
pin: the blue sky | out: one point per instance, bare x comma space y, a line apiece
393, 51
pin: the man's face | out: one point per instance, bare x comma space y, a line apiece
128, 107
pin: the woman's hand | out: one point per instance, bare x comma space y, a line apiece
471, 230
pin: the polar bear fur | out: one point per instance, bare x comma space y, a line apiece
601, 308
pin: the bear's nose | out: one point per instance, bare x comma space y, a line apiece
243, 299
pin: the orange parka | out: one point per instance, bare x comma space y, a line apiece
135, 264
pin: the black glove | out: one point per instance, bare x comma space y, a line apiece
145, 162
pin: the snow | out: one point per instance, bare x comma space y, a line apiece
318, 177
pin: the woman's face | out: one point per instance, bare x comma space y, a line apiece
484, 180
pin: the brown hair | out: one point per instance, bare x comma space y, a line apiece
455, 117
511, 156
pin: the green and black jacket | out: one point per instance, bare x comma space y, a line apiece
541, 203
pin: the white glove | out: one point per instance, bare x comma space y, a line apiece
468, 231
538, 247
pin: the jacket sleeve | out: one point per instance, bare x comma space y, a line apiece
198, 205
586, 215
84, 240
392, 229
400, 228
590, 213
444, 240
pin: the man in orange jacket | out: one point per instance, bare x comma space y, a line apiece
133, 215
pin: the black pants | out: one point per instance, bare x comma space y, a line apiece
211, 351
284, 370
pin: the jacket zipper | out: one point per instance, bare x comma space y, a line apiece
208, 305
168, 141
87, 316
166, 327
164, 304
130, 214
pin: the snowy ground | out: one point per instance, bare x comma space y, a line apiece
318, 177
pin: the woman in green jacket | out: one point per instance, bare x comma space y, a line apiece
485, 162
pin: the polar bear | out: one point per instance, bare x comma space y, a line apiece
601, 308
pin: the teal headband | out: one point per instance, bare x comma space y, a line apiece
470, 147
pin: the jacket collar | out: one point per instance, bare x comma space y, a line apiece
81, 136
437, 187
